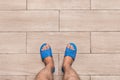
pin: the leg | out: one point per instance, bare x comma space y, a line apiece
69, 72
47, 72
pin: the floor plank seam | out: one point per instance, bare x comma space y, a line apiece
72, 9
59, 21
26, 9
105, 9
112, 53
26, 4
13, 10
90, 77
58, 63
26, 42
90, 5
51, 31
90, 44
11, 53
25, 77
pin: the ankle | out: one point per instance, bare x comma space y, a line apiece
50, 64
50, 67
48, 61
66, 66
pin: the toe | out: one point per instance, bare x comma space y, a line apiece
47, 46
70, 46
43, 48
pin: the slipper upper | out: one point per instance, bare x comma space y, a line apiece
45, 53
70, 52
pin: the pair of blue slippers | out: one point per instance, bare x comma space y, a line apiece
68, 52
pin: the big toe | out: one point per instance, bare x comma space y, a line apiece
70, 46
47, 46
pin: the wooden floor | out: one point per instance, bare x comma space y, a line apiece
94, 25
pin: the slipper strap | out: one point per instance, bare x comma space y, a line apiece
45, 53
70, 52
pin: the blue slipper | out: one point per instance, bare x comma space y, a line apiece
46, 53
71, 53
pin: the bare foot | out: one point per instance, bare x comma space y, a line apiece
49, 60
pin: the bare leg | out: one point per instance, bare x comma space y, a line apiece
46, 73
69, 72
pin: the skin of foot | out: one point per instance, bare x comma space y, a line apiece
46, 73
67, 62
49, 60
69, 72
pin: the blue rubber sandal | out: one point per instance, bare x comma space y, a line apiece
71, 53
46, 53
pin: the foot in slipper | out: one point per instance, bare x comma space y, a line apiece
46, 55
69, 56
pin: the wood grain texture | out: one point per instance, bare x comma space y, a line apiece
60, 77
12, 42
93, 25
12, 77
105, 78
58, 4
23, 64
95, 64
58, 41
105, 42
105, 4
29, 21
86, 20
56, 77
12, 5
